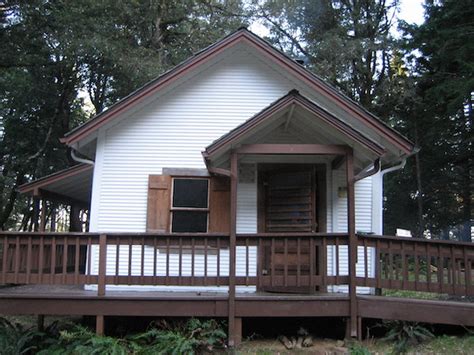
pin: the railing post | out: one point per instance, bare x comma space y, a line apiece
232, 248
102, 264
352, 241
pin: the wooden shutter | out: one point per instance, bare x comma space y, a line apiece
219, 205
158, 209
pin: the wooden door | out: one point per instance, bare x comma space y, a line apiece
290, 207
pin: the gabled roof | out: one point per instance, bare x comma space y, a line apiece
293, 98
241, 36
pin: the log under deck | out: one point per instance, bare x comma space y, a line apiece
74, 300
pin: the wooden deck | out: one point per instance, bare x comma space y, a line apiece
74, 300
45, 274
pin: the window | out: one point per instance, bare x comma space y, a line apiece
190, 205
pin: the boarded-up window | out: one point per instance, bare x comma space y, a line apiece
189, 209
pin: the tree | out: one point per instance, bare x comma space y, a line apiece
441, 116
52, 52
346, 42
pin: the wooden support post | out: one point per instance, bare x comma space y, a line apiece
53, 217
74, 219
102, 264
40, 322
35, 214
232, 247
352, 242
99, 324
42, 225
238, 331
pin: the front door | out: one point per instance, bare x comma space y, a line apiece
288, 204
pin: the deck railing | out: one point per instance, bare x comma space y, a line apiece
419, 265
302, 262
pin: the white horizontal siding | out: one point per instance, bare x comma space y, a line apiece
363, 216
172, 132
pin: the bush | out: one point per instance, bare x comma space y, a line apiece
180, 338
405, 334
15, 339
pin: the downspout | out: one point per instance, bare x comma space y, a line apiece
390, 169
81, 160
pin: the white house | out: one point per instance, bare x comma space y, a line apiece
159, 162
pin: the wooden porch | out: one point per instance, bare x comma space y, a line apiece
44, 273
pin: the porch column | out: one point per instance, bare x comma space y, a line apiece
352, 241
234, 172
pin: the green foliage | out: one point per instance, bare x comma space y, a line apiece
190, 337
358, 349
405, 334
15, 339
81, 340
185, 338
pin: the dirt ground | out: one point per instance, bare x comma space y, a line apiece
320, 347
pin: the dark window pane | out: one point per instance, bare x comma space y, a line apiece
189, 221
190, 193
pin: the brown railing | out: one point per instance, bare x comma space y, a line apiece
418, 264
46, 258
302, 262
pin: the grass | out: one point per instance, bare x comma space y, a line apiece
413, 294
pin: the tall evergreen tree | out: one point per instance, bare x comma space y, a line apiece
443, 116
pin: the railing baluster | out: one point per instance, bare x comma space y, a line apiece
260, 256
130, 249
298, 261
76, 260
312, 262
142, 262
428, 267
378, 265
53, 261
155, 261
324, 263
17, 258
65, 255
417, 267
205, 261
337, 260
366, 263
285, 267
452, 279
167, 261
180, 254
4, 260
467, 272
390, 264
218, 261
404, 266
440, 270
272, 262
192, 260
89, 261
117, 260
247, 261
28, 259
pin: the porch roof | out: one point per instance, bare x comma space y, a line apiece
298, 120
70, 186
